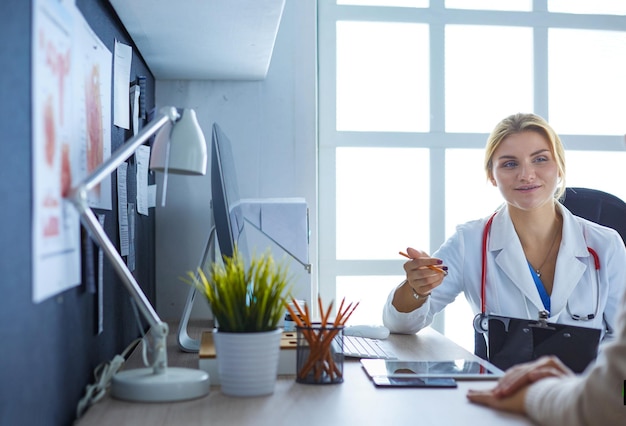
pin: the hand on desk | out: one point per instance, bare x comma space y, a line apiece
510, 392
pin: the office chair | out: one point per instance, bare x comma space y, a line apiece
591, 204
597, 206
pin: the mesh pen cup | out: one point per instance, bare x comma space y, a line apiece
319, 354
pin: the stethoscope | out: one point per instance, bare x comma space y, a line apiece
481, 321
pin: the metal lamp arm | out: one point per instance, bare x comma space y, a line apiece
78, 197
157, 382
89, 220
159, 329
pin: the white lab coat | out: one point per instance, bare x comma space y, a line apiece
510, 289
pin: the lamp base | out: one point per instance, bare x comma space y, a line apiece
175, 384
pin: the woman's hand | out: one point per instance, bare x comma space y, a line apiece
510, 392
419, 274
423, 274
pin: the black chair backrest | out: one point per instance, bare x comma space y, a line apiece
597, 206
591, 204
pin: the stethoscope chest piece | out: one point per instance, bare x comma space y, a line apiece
481, 323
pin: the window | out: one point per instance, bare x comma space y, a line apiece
382, 77
585, 81
480, 61
408, 92
374, 215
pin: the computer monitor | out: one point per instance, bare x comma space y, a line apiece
227, 209
231, 227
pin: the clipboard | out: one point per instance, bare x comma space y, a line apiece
512, 341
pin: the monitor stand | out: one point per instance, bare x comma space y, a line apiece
185, 342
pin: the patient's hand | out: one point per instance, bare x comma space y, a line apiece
510, 392
524, 374
513, 403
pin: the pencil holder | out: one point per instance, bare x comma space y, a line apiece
319, 354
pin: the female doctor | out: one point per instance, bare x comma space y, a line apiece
537, 255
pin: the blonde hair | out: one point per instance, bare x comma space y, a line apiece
521, 122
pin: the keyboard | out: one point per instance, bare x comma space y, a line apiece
364, 347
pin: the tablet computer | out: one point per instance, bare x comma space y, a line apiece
414, 382
459, 369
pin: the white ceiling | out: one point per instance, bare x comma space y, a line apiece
203, 39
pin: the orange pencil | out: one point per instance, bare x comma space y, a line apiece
433, 267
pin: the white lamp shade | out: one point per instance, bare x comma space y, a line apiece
186, 145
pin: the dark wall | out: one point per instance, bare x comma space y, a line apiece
48, 351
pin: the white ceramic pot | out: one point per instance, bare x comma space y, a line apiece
247, 363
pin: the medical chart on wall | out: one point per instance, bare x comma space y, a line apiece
71, 73
93, 95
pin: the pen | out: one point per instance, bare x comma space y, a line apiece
434, 268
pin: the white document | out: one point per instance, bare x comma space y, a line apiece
130, 260
56, 226
121, 81
100, 308
152, 193
143, 164
122, 207
92, 64
134, 107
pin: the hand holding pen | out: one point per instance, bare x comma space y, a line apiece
423, 273
429, 266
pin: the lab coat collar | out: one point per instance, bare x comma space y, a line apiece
503, 240
571, 263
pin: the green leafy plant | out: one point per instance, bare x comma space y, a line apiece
245, 299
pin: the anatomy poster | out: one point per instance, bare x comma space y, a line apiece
93, 85
71, 89
56, 236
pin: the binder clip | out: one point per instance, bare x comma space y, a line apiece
542, 321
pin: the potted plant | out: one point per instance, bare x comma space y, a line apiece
248, 304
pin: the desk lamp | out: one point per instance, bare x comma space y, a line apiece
179, 147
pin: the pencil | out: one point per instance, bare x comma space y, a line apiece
433, 267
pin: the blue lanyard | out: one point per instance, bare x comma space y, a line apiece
542, 290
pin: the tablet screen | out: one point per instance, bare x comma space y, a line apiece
458, 369
414, 382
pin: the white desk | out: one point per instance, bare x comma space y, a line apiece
355, 401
